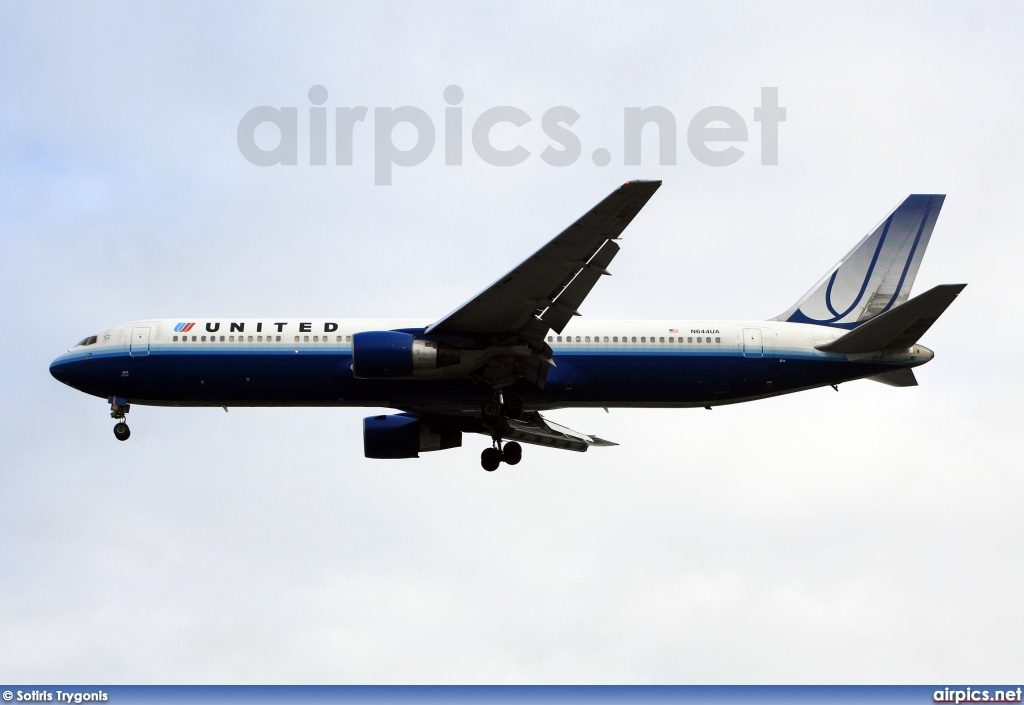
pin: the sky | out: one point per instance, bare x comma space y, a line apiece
869, 536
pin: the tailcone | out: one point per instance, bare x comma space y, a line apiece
921, 354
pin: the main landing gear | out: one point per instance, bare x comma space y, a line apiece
510, 453
501, 407
118, 409
493, 413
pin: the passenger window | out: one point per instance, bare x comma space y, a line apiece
717, 339
193, 339
671, 339
348, 338
634, 338
175, 339
296, 339
559, 339
689, 339
250, 338
615, 339
279, 339
643, 339
316, 338
551, 338
588, 339
338, 339
577, 339
203, 339
661, 340
305, 338
606, 339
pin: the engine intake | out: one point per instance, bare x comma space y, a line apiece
389, 354
405, 436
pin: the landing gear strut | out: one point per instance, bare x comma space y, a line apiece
493, 414
118, 409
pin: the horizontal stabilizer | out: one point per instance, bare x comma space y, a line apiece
897, 328
897, 378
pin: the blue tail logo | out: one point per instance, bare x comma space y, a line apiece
877, 274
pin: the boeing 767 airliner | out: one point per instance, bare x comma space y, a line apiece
516, 349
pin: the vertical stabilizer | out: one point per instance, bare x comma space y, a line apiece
877, 274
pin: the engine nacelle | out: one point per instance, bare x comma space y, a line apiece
388, 354
405, 436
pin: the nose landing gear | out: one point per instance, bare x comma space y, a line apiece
118, 409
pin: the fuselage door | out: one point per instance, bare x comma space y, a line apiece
752, 346
140, 342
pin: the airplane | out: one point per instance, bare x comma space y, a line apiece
519, 348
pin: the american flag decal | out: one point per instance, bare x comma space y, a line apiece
673, 330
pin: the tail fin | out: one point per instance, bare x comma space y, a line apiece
877, 274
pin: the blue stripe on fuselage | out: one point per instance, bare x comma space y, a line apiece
304, 374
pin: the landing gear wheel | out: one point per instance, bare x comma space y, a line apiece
512, 453
513, 406
490, 412
121, 431
490, 459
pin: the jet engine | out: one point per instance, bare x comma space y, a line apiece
405, 436
391, 354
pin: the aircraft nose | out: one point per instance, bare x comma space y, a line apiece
58, 369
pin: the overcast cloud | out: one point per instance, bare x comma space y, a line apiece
872, 535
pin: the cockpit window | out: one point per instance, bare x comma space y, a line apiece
88, 341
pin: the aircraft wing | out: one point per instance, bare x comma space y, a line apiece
535, 429
546, 290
